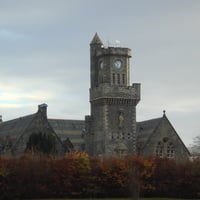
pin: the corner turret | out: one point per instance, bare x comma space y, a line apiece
96, 40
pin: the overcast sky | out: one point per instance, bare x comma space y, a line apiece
44, 56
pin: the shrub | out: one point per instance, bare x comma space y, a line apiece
79, 175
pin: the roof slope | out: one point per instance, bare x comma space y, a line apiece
11, 131
64, 124
145, 130
15, 127
71, 129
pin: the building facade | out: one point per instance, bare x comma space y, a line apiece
111, 127
16, 134
157, 137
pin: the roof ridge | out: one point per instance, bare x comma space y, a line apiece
19, 118
158, 118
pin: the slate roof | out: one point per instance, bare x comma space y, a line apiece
71, 129
145, 130
63, 124
15, 127
11, 131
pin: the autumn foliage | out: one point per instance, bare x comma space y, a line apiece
79, 175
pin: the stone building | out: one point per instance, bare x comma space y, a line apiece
70, 131
157, 137
15, 134
113, 101
111, 128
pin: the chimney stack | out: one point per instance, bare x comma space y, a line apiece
43, 109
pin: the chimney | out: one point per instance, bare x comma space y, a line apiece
1, 119
43, 109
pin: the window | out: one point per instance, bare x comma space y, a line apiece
123, 79
118, 78
113, 78
170, 150
120, 152
160, 149
165, 148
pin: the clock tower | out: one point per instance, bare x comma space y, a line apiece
111, 127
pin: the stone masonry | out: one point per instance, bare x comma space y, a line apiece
111, 127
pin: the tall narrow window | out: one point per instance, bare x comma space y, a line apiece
113, 78
118, 78
123, 79
170, 150
160, 150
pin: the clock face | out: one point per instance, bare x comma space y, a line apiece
118, 64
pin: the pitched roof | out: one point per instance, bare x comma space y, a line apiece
145, 130
71, 129
64, 124
15, 127
11, 131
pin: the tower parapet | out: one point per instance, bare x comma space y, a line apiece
114, 51
105, 91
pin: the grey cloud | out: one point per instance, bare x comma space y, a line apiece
45, 48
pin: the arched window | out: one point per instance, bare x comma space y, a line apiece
165, 148
160, 150
170, 150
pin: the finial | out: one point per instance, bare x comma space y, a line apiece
164, 111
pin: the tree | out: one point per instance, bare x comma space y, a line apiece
195, 147
41, 143
140, 173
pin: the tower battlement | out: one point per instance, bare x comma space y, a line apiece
113, 51
105, 91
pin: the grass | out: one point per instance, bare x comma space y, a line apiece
119, 199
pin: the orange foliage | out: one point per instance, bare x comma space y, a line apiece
79, 175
